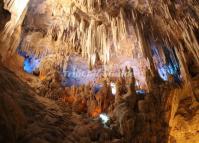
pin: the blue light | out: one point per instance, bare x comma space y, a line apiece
169, 69
163, 73
97, 88
31, 64
140, 92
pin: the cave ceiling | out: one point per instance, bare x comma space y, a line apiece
117, 70
104, 32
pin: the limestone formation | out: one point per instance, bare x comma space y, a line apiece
99, 71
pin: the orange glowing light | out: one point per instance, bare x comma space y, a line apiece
95, 113
42, 77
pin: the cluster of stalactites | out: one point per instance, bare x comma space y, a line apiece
181, 35
186, 25
98, 35
171, 25
91, 37
89, 5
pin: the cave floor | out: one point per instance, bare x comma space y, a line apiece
29, 118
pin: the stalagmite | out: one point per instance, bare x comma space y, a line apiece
99, 71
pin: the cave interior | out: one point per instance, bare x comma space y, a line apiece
99, 71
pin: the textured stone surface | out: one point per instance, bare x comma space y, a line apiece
149, 36
28, 118
4, 15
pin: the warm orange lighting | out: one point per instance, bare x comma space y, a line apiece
68, 99
42, 77
96, 112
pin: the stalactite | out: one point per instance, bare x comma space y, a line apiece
90, 28
115, 33
191, 43
148, 36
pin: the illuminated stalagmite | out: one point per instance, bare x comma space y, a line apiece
132, 63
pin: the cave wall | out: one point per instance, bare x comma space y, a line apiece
11, 33
147, 31
4, 15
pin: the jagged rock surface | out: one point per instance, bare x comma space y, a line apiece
4, 15
160, 36
28, 118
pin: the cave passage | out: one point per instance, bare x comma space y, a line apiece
99, 71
